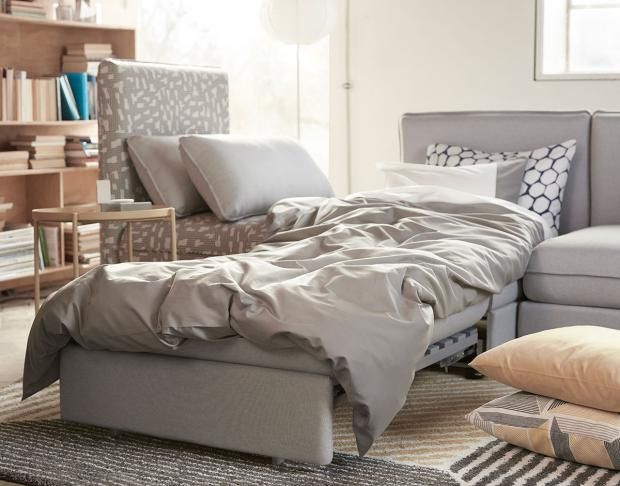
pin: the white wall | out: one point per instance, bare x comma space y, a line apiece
433, 55
120, 12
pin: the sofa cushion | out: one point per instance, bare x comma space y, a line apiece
158, 163
579, 268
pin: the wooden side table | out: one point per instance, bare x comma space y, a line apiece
92, 214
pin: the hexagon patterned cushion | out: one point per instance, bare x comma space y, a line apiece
545, 178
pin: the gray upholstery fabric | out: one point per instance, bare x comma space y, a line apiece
285, 414
501, 325
137, 98
510, 293
579, 268
605, 168
198, 236
494, 131
536, 316
242, 176
158, 163
581, 290
593, 251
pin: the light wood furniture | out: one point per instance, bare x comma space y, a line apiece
36, 46
91, 214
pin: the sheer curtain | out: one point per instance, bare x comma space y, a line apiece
261, 70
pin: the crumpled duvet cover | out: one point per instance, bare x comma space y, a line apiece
355, 281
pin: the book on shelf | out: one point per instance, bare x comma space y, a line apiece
51, 234
91, 51
70, 96
16, 252
26, 99
81, 151
47, 163
79, 64
14, 160
88, 250
25, 8
44, 151
68, 104
85, 58
79, 87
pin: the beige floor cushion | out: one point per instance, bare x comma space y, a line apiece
579, 364
553, 427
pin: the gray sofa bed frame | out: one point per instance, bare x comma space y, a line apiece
233, 394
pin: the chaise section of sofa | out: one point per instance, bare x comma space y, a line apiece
574, 279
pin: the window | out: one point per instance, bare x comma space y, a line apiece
578, 39
261, 70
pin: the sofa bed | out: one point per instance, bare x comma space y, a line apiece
233, 393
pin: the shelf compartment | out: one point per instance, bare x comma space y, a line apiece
62, 273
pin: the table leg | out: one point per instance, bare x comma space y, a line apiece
37, 283
173, 235
129, 242
76, 250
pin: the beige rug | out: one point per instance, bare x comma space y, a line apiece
430, 431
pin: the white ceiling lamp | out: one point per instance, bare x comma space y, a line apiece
298, 22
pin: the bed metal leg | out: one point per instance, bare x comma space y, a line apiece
277, 461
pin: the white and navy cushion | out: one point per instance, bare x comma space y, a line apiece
545, 178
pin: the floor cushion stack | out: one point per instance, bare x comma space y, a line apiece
570, 404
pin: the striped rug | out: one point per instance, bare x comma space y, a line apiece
429, 431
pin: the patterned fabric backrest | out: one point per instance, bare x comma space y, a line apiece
137, 98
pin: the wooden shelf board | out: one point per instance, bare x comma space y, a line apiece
63, 123
28, 172
63, 273
61, 23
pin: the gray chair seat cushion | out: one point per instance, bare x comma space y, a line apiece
198, 236
579, 268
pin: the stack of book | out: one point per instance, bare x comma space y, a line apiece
26, 8
16, 253
88, 243
85, 58
14, 160
26, 99
45, 151
81, 151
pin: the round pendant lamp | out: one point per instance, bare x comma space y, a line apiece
298, 21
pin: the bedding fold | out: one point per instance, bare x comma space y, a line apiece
356, 282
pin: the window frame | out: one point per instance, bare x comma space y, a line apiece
539, 75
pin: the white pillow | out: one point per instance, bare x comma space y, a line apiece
475, 179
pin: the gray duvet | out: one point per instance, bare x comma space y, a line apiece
354, 281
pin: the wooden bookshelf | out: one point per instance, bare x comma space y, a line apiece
37, 46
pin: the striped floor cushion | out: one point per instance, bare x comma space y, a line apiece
553, 427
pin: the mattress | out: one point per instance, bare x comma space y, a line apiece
239, 350
198, 236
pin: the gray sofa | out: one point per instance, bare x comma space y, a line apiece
573, 279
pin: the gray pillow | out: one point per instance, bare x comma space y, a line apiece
546, 174
509, 178
242, 176
161, 170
